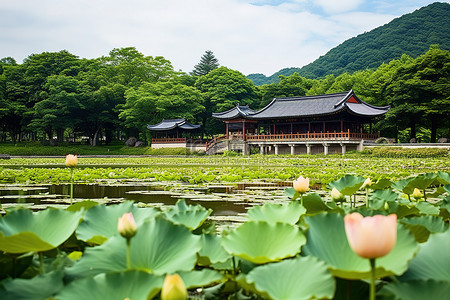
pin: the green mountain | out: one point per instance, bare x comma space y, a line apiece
410, 34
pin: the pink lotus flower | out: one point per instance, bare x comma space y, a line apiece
173, 288
301, 185
71, 160
127, 226
371, 237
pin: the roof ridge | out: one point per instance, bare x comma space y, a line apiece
311, 96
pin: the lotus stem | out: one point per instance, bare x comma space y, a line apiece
424, 195
128, 254
367, 198
301, 199
372, 281
41, 263
71, 185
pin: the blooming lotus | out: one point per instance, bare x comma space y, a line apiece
71, 160
173, 288
371, 237
127, 226
301, 185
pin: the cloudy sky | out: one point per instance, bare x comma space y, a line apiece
251, 36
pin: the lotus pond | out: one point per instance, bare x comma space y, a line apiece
232, 228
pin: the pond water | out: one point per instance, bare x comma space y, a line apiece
224, 200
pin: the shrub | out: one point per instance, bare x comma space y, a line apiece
399, 152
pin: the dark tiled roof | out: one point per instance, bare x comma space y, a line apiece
308, 106
172, 124
239, 111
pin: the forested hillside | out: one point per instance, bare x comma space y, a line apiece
410, 34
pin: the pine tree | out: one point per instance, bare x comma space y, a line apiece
208, 62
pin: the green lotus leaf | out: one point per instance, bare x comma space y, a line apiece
443, 177
403, 186
291, 193
348, 185
191, 216
86, 205
314, 204
433, 259
381, 184
40, 287
298, 278
422, 181
23, 231
427, 208
422, 226
260, 242
205, 277
212, 251
270, 212
447, 188
124, 285
380, 197
403, 209
327, 240
100, 221
159, 247
416, 290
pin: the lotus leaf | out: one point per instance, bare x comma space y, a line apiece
381, 184
261, 242
403, 186
100, 222
348, 185
298, 278
416, 290
291, 193
422, 226
380, 197
443, 177
327, 240
191, 216
421, 182
433, 259
124, 285
314, 204
23, 231
212, 251
427, 208
205, 277
159, 246
270, 212
40, 287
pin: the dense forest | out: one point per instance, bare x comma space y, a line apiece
58, 96
409, 34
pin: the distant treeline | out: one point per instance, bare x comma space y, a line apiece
410, 34
58, 95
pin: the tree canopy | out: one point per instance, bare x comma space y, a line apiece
208, 62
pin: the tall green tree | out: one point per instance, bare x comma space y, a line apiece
208, 62
223, 89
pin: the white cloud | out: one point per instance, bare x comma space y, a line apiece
245, 37
338, 6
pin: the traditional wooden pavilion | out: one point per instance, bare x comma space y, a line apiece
173, 133
303, 120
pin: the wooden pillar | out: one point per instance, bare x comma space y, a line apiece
309, 126
243, 130
273, 129
292, 128
324, 130
227, 129
342, 125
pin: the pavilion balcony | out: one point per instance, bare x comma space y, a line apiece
312, 136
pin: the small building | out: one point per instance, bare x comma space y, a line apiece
331, 123
176, 133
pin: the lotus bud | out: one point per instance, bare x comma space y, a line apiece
127, 226
417, 194
71, 160
173, 288
336, 195
386, 205
301, 185
367, 183
371, 237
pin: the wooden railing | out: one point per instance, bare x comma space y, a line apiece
214, 141
309, 136
169, 140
